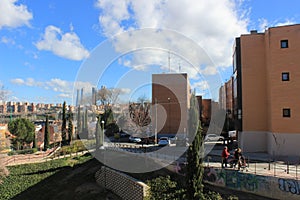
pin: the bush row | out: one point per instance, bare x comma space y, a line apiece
24, 151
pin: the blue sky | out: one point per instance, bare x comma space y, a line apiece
44, 45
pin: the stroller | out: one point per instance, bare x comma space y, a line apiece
239, 162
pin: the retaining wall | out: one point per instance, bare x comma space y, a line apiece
121, 184
272, 187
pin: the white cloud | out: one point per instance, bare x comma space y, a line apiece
211, 24
264, 23
286, 22
55, 84
65, 95
113, 15
13, 15
7, 40
18, 81
66, 45
202, 85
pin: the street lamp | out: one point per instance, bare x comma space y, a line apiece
155, 131
169, 115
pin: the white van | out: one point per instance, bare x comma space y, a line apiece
232, 134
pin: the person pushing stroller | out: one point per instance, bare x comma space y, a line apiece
239, 158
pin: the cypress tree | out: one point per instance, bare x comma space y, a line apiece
98, 134
70, 128
195, 168
85, 124
78, 122
194, 171
46, 135
34, 141
64, 125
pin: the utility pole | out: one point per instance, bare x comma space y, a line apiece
169, 60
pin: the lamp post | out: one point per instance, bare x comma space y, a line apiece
169, 115
155, 131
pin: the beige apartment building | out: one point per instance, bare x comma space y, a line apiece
266, 90
170, 103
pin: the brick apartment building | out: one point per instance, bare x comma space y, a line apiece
171, 98
266, 88
226, 103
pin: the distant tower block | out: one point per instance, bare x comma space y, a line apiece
94, 96
81, 96
77, 98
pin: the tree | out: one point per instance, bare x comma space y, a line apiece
164, 188
194, 169
70, 127
85, 129
23, 130
3, 93
79, 128
194, 173
46, 135
64, 125
108, 95
99, 134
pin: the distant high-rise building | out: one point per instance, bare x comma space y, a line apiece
77, 97
81, 96
94, 95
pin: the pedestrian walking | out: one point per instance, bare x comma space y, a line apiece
225, 155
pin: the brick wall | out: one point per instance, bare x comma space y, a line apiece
121, 184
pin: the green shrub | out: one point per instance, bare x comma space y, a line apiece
24, 151
210, 195
164, 188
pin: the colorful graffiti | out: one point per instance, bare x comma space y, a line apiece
287, 185
235, 179
268, 186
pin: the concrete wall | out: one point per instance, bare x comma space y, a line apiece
272, 187
253, 141
283, 144
275, 144
120, 184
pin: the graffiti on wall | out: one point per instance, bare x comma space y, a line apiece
236, 179
288, 185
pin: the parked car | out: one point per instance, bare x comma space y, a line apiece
213, 137
148, 140
164, 141
135, 139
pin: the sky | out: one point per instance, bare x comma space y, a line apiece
51, 48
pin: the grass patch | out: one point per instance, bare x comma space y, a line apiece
30, 181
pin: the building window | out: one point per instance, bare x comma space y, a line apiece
286, 112
285, 76
284, 44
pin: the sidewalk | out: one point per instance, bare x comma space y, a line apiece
260, 164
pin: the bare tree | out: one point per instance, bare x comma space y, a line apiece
108, 95
4, 93
136, 117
